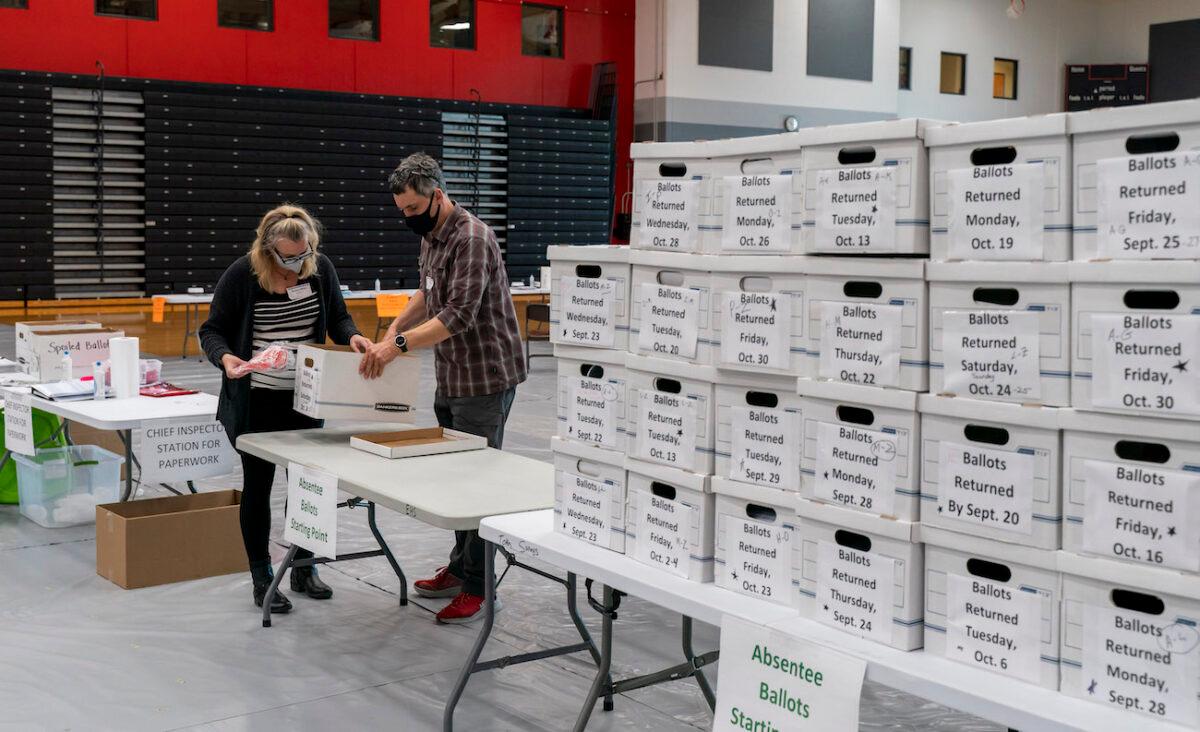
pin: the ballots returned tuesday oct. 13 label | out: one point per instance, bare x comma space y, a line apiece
856, 210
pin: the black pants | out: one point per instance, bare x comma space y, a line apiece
270, 411
483, 416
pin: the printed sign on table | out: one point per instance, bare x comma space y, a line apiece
175, 451
18, 422
311, 516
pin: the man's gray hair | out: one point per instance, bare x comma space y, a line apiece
418, 172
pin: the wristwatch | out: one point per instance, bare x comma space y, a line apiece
402, 343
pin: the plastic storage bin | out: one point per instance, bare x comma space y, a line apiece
62, 486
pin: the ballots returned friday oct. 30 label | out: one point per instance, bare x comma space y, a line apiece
1146, 362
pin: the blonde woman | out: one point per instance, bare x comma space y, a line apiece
283, 291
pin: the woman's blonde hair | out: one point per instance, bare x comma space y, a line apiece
283, 222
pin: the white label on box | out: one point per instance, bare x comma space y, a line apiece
310, 518
756, 329
993, 626
771, 680
669, 210
758, 559
860, 343
1146, 362
1146, 663
176, 451
18, 422
1149, 206
667, 428
996, 211
856, 468
670, 320
985, 487
855, 591
588, 311
758, 213
587, 508
663, 527
308, 385
592, 412
1141, 513
992, 354
765, 447
856, 210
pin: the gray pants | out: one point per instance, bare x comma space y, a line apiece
483, 416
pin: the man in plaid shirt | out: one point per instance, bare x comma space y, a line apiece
464, 309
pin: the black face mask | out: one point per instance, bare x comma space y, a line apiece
423, 223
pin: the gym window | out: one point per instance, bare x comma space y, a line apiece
954, 73
136, 9
541, 30
905, 67
246, 14
452, 24
15, 4
1004, 79
356, 20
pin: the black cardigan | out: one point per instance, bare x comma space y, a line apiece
230, 329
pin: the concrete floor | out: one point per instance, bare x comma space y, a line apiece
77, 652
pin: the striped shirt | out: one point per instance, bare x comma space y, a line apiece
279, 320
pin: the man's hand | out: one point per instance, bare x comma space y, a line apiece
360, 343
230, 362
376, 357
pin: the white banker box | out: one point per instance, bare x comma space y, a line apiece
669, 520
671, 310
756, 536
671, 413
86, 346
328, 386
589, 296
24, 333
758, 431
672, 195
589, 494
593, 398
759, 316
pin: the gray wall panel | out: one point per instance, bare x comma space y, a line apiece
841, 38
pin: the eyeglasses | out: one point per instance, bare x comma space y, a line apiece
293, 260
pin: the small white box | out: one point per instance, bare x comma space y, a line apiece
672, 196
990, 584
861, 437
1143, 471
46, 348
772, 164
593, 396
1152, 368
672, 300
876, 175
1013, 331
416, 442
1133, 622
994, 170
877, 311
674, 425
1004, 469
24, 334
597, 277
759, 318
767, 408
1127, 132
589, 494
756, 538
841, 561
328, 386
669, 519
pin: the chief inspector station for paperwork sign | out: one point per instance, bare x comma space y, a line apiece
174, 451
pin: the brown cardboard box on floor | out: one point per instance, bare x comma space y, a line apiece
162, 540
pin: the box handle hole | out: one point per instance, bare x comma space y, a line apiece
1143, 452
588, 468
1157, 142
1151, 299
1138, 602
591, 370
993, 155
870, 290
997, 295
662, 490
672, 170
989, 435
762, 399
852, 540
760, 513
668, 386
757, 165
755, 284
855, 415
589, 271
670, 278
989, 570
856, 155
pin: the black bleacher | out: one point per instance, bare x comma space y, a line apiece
26, 184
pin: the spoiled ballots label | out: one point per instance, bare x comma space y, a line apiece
855, 591
991, 354
587, 508
860, 343
994, 626
1146, 362
669, 210
996, 212
765, 447
588, 312
756, 329
592, 412
1146, 663
1149, 206
663, 528
666, 428
856, 210
985, 487
670, 323
1141, 513
856, 468
758, 214
758, 559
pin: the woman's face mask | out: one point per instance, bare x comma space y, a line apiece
423, 223
292, 264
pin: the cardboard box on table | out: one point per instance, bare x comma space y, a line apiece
86, 346
672, 195
756, 535
674, 425
589, 494
768, 444
328, 386
592, 321
24, 333
669, 519
662, 280
593, 397
759, 318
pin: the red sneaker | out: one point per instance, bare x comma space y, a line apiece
442, 584
464, 608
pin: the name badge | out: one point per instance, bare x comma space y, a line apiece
428, 282
299, 292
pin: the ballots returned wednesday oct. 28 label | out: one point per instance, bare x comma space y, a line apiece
668, 217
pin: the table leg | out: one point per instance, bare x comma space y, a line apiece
690, 655
127, 439
604, 665
387, 552
489, 616
192, 487
187, 329
283, 567
573, 611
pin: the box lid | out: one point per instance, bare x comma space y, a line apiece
1000, 551
670, 476
1125, 271
781, 142
1123, 425
1159, 114
760, 494
579, 450
673, 260
1008, 272
616, 253
1014, 129
1155, 579
754, 381
838, 391
671, 369
868, 132
691, 150
998, 413
859, 266
40, 333
607, 356
757, 263
867, 523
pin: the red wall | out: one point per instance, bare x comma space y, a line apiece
186, 44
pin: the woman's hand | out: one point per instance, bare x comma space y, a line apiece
360, 343
231, 362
